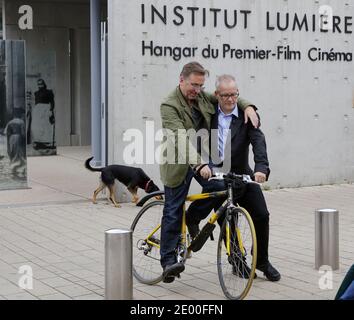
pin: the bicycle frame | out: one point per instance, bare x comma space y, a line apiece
214, 217
236, 247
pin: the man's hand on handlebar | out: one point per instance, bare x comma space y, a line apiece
230, 176
260, 177
205, 172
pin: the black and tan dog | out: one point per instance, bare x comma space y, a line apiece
132, 178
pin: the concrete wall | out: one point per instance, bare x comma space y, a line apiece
306, 107
55, 22
82, 86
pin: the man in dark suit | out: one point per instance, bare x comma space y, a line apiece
228, 117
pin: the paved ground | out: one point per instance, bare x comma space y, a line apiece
54, 228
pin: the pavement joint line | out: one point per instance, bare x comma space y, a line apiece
56, 189
48, 203
69, 157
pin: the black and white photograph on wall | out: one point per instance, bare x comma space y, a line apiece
40, 99
13, 163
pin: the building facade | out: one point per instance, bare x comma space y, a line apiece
293, 59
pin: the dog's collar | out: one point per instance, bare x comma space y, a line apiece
147, 184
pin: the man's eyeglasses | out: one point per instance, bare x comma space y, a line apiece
229, 95
197, 86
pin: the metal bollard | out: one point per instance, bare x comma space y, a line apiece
118, 265
327, 238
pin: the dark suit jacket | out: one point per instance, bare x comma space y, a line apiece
242, 135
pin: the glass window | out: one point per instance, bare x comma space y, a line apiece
0, 20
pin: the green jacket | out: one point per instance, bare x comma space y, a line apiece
177, 119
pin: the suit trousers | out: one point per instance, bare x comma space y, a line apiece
253, 201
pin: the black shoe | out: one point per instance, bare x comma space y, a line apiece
270, 272
193, 229
172, 271
168, 279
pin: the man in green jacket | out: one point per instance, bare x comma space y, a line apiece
187, 108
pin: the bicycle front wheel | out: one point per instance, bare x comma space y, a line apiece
237, 254
146, 229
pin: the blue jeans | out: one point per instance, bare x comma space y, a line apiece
172, 213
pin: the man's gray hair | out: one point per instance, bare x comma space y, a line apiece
224, 78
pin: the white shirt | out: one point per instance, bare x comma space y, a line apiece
224, 121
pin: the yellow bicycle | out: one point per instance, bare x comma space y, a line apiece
236, 249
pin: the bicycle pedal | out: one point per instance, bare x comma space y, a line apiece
178, 276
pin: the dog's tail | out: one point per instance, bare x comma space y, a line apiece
87, 165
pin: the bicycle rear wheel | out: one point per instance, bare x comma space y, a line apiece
146, 243
237, 256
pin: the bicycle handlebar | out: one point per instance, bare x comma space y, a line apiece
230, 176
